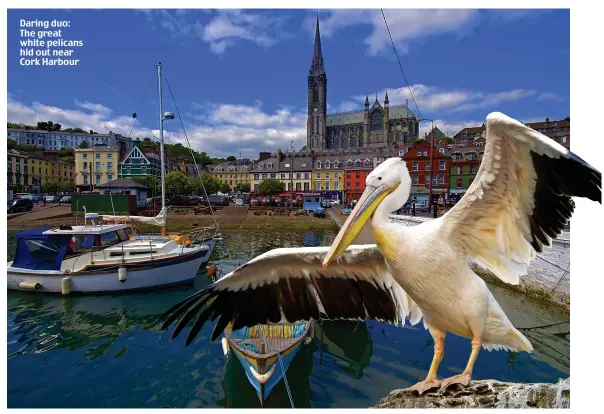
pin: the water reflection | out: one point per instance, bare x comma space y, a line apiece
106, 351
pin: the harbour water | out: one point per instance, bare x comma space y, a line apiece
106, 351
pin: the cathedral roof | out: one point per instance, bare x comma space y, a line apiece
346, 118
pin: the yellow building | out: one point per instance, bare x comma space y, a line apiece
232, 173
328, 180
96, 166
18, 172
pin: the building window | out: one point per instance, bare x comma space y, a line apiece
327, 175
109, 177
318, 187
84, 155
425, 152
336, 185
264, 176
563, 140
283, 176
327, 164
84, 165
273, 176
98, 179
306, 176
428, 166
336, 175
415, 165
109, 155
441, 178
348, 186
297, 176
366, 173
318, 164
97, 155
306, 187
442, 164
318, 175
472, 170
358, 186
85, 179
256, 176
98, 166
427, 178
419, 153
298, 186
348, 174
459, 170
327, 186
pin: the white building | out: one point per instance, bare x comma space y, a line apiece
56, 140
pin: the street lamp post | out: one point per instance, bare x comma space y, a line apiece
431, 166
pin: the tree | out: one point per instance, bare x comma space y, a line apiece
231, 158
83, 144
567, 118
271, 187
176, 183
225, 188
211, 184
11, 144
149, 181
244, 187
52, 186
66, 186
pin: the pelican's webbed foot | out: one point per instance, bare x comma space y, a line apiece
425, 385
463, 379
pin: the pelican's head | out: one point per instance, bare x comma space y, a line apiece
387, 188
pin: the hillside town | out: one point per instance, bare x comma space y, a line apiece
341, 150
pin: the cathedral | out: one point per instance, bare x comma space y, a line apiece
378, 126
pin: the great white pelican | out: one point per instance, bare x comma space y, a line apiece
519, 200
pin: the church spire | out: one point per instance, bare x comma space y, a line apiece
317, 57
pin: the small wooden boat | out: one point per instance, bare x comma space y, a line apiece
266, 351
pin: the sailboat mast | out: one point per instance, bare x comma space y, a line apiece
161, 145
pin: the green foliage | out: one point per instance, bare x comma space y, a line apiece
567, 118
54, 186
244, 187
150, 181
271, 186
225, 188
48, 126
211, 184
10, 143
177, 183
83, 144
231, 158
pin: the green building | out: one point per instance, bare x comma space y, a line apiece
139, 164
461, 175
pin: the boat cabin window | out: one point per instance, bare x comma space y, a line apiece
143, 252
108, 239
45, 251
124, 234
79, 244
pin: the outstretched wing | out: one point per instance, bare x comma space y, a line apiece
520, 199
292, 285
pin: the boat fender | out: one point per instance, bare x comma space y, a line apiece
225, 347
263, 378
211, 271
66, 286
30, 285
122, 274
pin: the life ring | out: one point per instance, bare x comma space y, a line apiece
211, 271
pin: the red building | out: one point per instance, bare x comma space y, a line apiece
354, 179
418, 164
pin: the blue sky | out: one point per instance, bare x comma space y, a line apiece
239, 76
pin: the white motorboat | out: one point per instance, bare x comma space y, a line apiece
101, 258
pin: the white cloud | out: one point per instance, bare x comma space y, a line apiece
225, 129
92, 107
549, 96
225, 28
407, 25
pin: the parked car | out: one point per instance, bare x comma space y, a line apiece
25, 196
52, 199
254, 202
219, 200
65, 200
319, 212
19, 205
239, 202
334, 203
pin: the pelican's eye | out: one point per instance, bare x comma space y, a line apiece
379, 178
